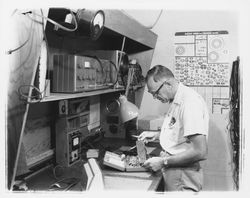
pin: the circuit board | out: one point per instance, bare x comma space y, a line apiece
127, 162
133, 163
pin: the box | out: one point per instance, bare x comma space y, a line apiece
151, 123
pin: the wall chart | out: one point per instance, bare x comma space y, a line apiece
201, 58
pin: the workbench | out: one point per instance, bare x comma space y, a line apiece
113, 179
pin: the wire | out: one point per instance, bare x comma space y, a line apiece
26, 97
56, 186
59, 25
151, 26
157, 19
112, 63
233, 126
54, 170
100, 63
24, 43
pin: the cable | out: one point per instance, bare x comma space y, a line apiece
100, 63
151, 26
26, 97
24, 43
38, 96
112, 63
70, 183
59, 25
157, 19
234, 120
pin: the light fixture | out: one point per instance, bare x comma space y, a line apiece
128, 110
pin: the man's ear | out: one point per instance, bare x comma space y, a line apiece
168, 84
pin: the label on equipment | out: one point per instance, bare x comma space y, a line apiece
87, 64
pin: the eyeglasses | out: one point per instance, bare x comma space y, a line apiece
156, 93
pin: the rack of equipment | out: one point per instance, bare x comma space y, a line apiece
71, 127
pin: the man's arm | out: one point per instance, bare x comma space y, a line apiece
196, 152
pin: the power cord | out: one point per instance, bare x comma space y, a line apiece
59, 25
24, 43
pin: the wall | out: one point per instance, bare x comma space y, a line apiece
217, 169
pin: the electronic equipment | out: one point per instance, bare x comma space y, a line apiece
76, 73
128, 163
71, 127
90, 23
110, 116
115, 56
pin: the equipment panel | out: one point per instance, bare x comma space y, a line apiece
73, 73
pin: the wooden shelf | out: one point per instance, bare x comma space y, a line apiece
63, 96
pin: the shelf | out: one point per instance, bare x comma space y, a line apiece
117, 25
63, 96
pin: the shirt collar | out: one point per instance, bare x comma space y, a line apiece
177, 97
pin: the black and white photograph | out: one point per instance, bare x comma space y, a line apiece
125, 97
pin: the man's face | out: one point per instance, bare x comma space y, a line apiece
159, 90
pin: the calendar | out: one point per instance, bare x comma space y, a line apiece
202, 58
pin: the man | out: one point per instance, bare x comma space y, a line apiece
183, 135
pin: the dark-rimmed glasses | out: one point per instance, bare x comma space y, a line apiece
156, 93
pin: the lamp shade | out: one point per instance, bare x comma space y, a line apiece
128, 110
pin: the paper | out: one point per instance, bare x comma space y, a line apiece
202, 58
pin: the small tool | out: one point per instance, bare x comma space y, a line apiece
136, 136
132, 148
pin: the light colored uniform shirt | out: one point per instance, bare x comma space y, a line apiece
187, 115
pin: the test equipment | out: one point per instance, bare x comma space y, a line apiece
128, 163
119, 58
71, 127
90, 22
75, 73
110, 116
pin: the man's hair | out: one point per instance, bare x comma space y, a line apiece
158, 72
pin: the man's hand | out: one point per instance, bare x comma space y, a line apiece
148, 136
154, 163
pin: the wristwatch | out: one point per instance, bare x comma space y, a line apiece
165, 161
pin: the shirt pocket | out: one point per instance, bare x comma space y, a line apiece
174, 130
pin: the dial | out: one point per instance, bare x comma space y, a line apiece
99, 20
97, 25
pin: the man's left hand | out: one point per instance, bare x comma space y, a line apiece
154, 163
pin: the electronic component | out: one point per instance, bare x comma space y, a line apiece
130, 163
68, 147
73, 73
127, 162
141, 151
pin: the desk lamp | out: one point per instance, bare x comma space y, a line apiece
128, 110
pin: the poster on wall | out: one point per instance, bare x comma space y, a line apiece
202, 58
220, 105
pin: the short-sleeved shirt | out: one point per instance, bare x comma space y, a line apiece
187, 115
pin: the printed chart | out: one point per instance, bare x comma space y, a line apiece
201, 58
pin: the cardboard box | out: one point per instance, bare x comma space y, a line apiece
150, 122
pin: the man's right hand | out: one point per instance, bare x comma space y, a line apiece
149, 136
